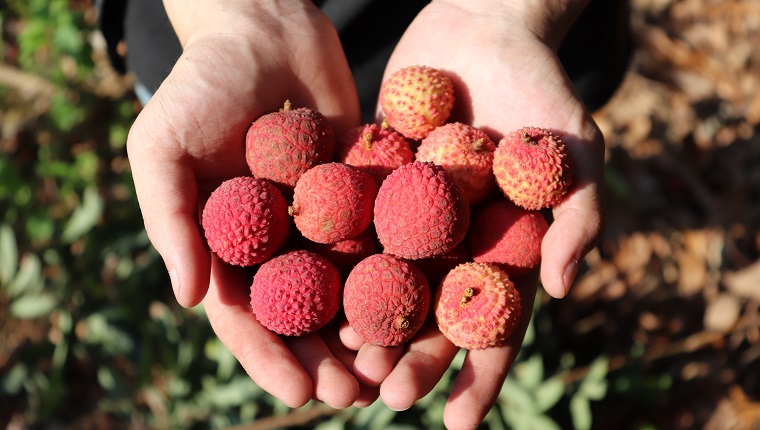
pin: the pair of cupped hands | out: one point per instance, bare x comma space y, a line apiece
241, 60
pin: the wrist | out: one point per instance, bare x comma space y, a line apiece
196, 19
547, 20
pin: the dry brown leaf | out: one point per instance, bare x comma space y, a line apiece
744, 282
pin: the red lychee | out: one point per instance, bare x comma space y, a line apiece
477, 306
532, 168
420, 211
386, 299
508, 236
417, 99
375, 149
281, 146
295, 293
245, 220
333, 202
466, 153
346, 253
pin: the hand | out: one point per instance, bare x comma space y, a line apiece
502, 59
241, 59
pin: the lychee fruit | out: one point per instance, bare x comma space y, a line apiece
386, 299
295, 293
466, 152
532, 168
508, 236
435, 268
417, 99
281, 146
333, 202
420, 211
245, 220
375, 149
345, 254
477, 306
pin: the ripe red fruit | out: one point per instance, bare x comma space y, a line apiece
466, 153
386, 299
477, 306
420, 211
296, 293
281, 146
532, 168
508, 236
416, 100
333, 202
374, 149
245, 220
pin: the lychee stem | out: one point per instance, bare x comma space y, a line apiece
384, 125
286, 106
402, 322
292, 211
368, 137
527, 138
468, 293
477, 145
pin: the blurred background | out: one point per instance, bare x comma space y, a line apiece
661, 331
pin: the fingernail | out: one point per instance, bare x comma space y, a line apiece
569, 276
175, 282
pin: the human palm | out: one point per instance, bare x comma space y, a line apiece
505, 77
190, 137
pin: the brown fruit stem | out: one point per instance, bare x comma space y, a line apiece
402, 322
292, 211
368, 137
527, 139
477, 145
286, 106
468, 293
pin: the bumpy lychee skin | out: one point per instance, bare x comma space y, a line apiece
333, 202
245, 220
281, 146
532, 168
346, 253
437, 267
420, 211
296, 293
466, 153
375, 149
417, 99
386, 299
477, 306
508, 236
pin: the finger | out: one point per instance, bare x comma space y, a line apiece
418, 370
478, 384
350, 338
261, 352
332, 383
170, 214
579, 219
374, 363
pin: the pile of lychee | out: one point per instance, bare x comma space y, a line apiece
391, 223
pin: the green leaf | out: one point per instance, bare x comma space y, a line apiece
594, 384
85, 216
549, 393
33, 306
28, 278
580, 410
8, 254
13, 381
530, 372
68, 39
516, 397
